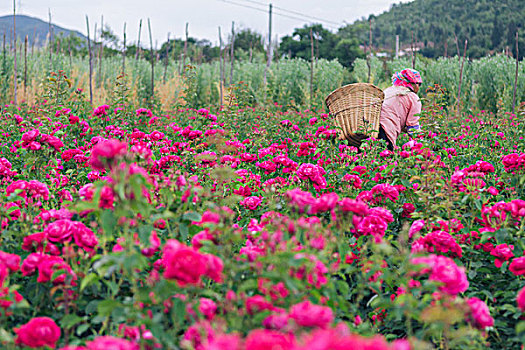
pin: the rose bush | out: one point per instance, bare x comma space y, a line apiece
250, 229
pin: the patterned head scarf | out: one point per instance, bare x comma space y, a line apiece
406, 77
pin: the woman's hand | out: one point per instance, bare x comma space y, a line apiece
411, 130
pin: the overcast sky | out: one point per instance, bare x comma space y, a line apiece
203, 16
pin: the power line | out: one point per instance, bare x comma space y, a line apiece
246, 6
276, 13
295, 12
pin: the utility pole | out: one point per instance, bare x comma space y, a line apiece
397, 47
185, 50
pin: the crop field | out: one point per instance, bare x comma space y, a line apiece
253, 228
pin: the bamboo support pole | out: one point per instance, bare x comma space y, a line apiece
232, 56
516, 77
221, 72
152, 62
124, 52
100, 52
50, 43
311, 68
369, 58
15, 73
90, 64
137, 53
25, 65
166, 60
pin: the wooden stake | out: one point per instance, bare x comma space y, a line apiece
166, 60
97, 56
138, 42
461, 78
100, 52
414, 57
232, 56
70, 58
370, 46
15, 77
90, 64
516, 77
25, 65
50, 38
124, 52
220, 68
152, 62
224, 56
311, 68
413, 48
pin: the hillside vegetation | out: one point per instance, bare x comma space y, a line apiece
489, 26
35, 29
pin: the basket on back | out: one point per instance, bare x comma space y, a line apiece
356, 109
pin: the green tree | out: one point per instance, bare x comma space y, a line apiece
327, 45
248, 39
299, 43
347, 50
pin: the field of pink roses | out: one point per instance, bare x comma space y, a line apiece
252, 229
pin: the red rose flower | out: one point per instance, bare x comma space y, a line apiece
38, 332
521, 299
105, 154
517, 266
307, 314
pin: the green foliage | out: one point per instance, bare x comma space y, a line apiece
487, 82
299, 44
247, 40
489, 25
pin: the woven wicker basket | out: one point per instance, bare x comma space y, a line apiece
356, 109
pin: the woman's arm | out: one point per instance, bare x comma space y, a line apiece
412, 124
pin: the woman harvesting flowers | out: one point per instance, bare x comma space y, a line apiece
401, 106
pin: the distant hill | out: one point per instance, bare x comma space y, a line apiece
489, 25
35, 29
